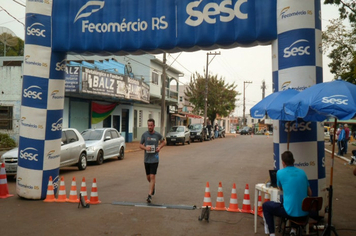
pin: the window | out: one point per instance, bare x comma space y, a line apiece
70, 136
114, 134
154, 78
107, 122
6, 117
140, 118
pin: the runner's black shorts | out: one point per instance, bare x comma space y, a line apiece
151, 168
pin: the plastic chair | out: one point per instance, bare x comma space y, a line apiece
310, 204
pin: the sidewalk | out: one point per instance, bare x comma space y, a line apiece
346, 157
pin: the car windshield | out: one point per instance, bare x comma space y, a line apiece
195, 127
177, 129
92, 134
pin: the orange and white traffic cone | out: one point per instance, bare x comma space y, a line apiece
259, 206
234, 206
94, 198
62, 194
220, 202
4, 189
50, 191
266, 198
83, 190
73, 195
246, 205
207, 197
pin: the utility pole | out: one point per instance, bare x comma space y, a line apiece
163, 105
206, 84
244, 108
263, 87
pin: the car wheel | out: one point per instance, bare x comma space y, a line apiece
82, 163
100, 157
122, 153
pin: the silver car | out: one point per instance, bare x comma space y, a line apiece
178, 134
73, 152
104, 143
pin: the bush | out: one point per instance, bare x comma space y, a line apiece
6, 141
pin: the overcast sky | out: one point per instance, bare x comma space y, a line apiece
235, 65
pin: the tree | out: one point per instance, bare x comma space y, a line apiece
221, 95
341, 42
347, 9
15, 50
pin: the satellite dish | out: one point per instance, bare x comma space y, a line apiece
8, 38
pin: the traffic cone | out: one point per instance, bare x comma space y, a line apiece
4, 189
259, 206
207, 198
246, 205
94, 199
266, 198
62, 194
73, 195
220, 203
83, 190
50, 191
234, 207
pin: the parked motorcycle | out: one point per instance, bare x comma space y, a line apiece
221, 132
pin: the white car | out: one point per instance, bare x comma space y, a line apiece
104, 143
178, 134
73, 152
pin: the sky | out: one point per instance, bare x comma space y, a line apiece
252, 64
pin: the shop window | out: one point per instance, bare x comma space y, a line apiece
154, 78
6, 117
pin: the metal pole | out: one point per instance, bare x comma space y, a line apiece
206, 85
163, 105
244, 107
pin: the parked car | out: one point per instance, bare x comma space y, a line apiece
197, 132
178, 134
246, 130
73, 152
104, 143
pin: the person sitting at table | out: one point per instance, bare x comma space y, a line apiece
295, 186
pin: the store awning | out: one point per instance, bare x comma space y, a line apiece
191, 115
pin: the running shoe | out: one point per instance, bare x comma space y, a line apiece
149, 198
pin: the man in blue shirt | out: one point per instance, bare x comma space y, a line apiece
295, 185
152, 143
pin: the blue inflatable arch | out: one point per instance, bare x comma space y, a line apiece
104, 27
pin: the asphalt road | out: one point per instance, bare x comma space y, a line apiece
182, 176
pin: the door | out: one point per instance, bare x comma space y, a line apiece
125, 124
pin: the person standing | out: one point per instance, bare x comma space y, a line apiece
347, 137
209, 127
216, 130
331, 132
151, 142
295, 185
341, 141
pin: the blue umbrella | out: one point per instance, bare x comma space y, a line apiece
330, 99
335, 99
272, 105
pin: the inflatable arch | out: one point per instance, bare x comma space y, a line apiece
57, 27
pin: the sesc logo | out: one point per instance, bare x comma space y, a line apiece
256, 114
336, 99
93, 6
295, 50
57, 125
226, 12
33, 92
61, 66
30, 154
33, 30
301, 126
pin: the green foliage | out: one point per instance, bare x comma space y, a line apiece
347, 9
6, 141
342, 43
221, 95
